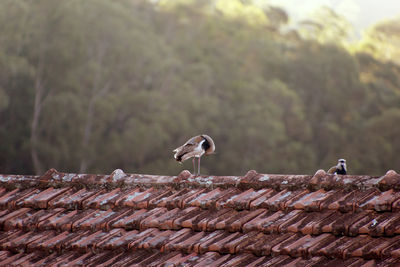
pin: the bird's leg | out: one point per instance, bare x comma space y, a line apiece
198, 167
194, 167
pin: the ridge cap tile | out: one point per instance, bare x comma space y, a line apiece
251, 179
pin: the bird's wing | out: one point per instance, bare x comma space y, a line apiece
332, 170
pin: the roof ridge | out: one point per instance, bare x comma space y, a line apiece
252, 179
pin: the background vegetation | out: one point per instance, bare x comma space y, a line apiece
95, 85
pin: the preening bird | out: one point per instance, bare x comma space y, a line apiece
195, 147
340, 168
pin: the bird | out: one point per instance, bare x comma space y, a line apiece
340, 168
195, 147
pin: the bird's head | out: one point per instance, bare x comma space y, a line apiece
211, 149
342, 164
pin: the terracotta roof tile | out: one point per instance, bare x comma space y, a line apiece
185, 220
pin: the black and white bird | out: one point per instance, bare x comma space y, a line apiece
340, 168
195, 147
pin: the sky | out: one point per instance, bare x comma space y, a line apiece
361, 13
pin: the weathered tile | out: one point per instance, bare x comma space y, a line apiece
71, 200
41, 200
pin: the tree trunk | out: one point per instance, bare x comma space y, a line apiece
89, 126
37, 108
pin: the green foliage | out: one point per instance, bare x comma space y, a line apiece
120, 84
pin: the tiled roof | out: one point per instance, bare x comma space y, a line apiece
184, 220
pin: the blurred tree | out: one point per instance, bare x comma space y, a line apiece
383, 40
95, 85
326, 26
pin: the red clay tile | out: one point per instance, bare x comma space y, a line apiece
186, 245
7, 215
205, 259
207, 200
395, 245
219, 222
390, 226
103, 201
137, 199
35, 245
6, 237
279, 260
313, 200
242, 200
21, 197
383, 202
151, 218
71, 200
376, 227
311, 246
164, 259
188, 197
239, 260
389, 262
284, 248
220, 261
19, 243
11, 259
142, 237
185, 214
96, 259
238, 244
368, 221
98, 220
263, 244
132, 218
344, 250
372, 249
112, 261
154, 200
314, 261
204, 243
200, 221
175, 260
256, 224
108, 241
236, 223
177, 237
86, 243
176, 200
56, 243
131, 259
219, 242
329, 249
30, 219
283, 223
4, 254
278, 201
40, 200
257, 262
9, 196
61, 259
57, 220
128, 258
255, 204
157, 241
340, 225
228, 194
317, 227
119, 240
166, 219
365, 196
